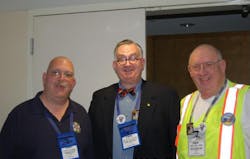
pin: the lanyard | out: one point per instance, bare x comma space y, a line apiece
211, 105
53, 124
137, 104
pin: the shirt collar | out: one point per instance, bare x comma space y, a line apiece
137, 87
39, 108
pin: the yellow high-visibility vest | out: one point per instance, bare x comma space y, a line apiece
222, 141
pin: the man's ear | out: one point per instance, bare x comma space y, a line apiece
114, 65
44, 76
223, 65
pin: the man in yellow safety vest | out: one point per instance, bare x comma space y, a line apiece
215, 119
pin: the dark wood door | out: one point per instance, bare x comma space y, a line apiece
167, 57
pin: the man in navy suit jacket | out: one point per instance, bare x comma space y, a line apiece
137, 125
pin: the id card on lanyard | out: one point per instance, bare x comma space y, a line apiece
129, 134
128, 129
67, 141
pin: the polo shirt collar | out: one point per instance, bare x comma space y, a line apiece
39, 108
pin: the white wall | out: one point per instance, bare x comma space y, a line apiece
13, 61
88, 40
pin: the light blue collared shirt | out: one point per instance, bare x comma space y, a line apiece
126, 106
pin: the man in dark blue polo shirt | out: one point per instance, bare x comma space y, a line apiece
51, 125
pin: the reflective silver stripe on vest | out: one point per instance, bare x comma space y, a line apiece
185, 105
227, 130
239, 86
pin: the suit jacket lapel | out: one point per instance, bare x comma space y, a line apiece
147, 107
109, 103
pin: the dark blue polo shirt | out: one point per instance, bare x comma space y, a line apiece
27, 133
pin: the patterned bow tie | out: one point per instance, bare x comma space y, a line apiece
124, 92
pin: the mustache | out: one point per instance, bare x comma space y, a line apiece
63, 84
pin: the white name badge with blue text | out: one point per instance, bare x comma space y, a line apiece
129, 134
68, 145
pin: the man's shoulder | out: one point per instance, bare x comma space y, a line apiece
23, 110
159, 91
24, 106
242, 87
156, 87
77, 107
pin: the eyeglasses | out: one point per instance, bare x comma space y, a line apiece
58, 73
206, 65
123, 60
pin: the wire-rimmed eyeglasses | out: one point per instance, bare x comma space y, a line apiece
131, 59
58, 73
206, 65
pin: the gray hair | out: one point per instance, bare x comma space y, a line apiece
127, 42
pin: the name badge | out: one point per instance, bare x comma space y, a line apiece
196, 140
129, 134
68, 145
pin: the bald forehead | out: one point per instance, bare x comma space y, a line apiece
205, 51
61, 60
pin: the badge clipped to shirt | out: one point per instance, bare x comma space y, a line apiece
68, 145
129, 134
196, 140
121, 118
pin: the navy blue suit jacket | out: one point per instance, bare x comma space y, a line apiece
158, 119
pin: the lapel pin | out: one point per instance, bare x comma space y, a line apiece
76, 127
